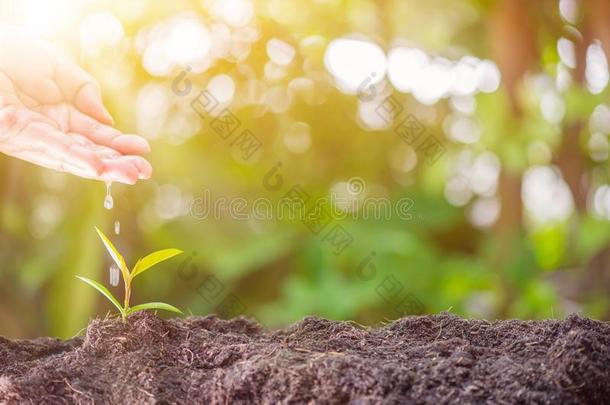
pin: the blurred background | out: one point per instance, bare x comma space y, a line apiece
486, 123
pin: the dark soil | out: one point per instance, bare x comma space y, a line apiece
425, 359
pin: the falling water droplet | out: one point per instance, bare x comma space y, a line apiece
114, 275
108, 201
117, 227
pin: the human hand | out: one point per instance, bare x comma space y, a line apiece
52, 115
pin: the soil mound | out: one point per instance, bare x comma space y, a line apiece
421, 359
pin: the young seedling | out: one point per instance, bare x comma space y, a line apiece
141, 266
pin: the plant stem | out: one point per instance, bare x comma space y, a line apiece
127, 296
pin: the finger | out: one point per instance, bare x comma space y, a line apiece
27, 100
130, 144
115, 170
12, 106
144, 167
107, 136
102, 151
43, 159
88, 99
39, 91
79, 87
119, 170
60, 150
60, 113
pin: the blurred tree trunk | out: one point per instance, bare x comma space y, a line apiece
572, 165
513, 48
513, 44
597, 20
569, 157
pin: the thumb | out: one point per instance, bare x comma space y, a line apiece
88, 100
80, 88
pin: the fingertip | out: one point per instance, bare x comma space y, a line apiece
98, 169
89, 101
146, 146
130, 181
144, 167
120, 170
106, 117
146, 175
87, 160
131, 144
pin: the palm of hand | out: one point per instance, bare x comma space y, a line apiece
51, 114
60, 137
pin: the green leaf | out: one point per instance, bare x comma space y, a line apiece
116, 256
152, 259
104, 291
153, 305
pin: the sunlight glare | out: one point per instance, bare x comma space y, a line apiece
236, 13
355, 63
99, 30
596, 72
546, 195
222, 88
601, 202
430, 79
280, 52
47, 18
180, 41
